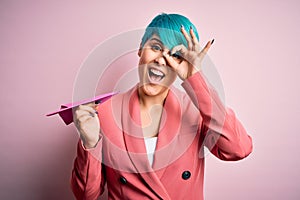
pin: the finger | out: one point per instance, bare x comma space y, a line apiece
96, 109
205, 49
86, 118
187, 37
88, 107
172, 63
81, 113
196, 46
91, 104
83, 106
84, 110
179, 48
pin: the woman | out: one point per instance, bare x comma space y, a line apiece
152, 137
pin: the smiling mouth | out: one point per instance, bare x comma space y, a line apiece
155, 75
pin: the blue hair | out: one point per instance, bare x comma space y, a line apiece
167, 28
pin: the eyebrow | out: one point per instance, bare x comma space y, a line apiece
157, 40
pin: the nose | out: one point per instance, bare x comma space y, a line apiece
160, 59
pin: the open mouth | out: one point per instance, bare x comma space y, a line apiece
155, 75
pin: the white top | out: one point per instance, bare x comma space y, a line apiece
150, 144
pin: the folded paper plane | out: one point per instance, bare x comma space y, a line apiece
65, 111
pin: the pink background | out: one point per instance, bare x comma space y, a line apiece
43, 44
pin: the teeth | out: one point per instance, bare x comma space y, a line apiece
156, 72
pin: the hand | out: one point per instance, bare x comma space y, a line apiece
87, 123
192, 56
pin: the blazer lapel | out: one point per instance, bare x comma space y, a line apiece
167, 137
135, 145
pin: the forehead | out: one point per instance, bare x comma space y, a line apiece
156, 39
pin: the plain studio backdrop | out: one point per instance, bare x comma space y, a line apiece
44, 43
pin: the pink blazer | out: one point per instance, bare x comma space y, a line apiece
189, 122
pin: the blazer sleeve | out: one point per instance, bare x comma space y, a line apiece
88, 177
224, 135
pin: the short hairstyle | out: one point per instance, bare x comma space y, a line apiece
167, 28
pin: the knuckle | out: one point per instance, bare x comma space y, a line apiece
80, 107
77, 112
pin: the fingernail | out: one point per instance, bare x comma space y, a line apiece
212, 41
181, 26
191, 27
97, 101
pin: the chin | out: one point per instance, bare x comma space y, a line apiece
153, 89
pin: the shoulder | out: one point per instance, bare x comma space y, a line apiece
181, 97
188, 109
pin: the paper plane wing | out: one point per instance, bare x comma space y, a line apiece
65, 111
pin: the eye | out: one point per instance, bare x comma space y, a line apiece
177, 57
156, 47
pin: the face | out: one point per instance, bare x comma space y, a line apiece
154, 72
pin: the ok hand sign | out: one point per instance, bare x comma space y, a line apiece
192, 56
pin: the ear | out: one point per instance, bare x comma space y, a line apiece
140, 50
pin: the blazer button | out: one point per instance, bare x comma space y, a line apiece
186, 175
123, 180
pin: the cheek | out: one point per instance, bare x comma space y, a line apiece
146, 56
172, 75
141, 61
142, 72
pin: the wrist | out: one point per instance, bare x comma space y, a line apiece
191, 73
90, 144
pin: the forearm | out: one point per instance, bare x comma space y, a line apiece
225, 135
87, 181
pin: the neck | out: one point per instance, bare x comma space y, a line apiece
148, 101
